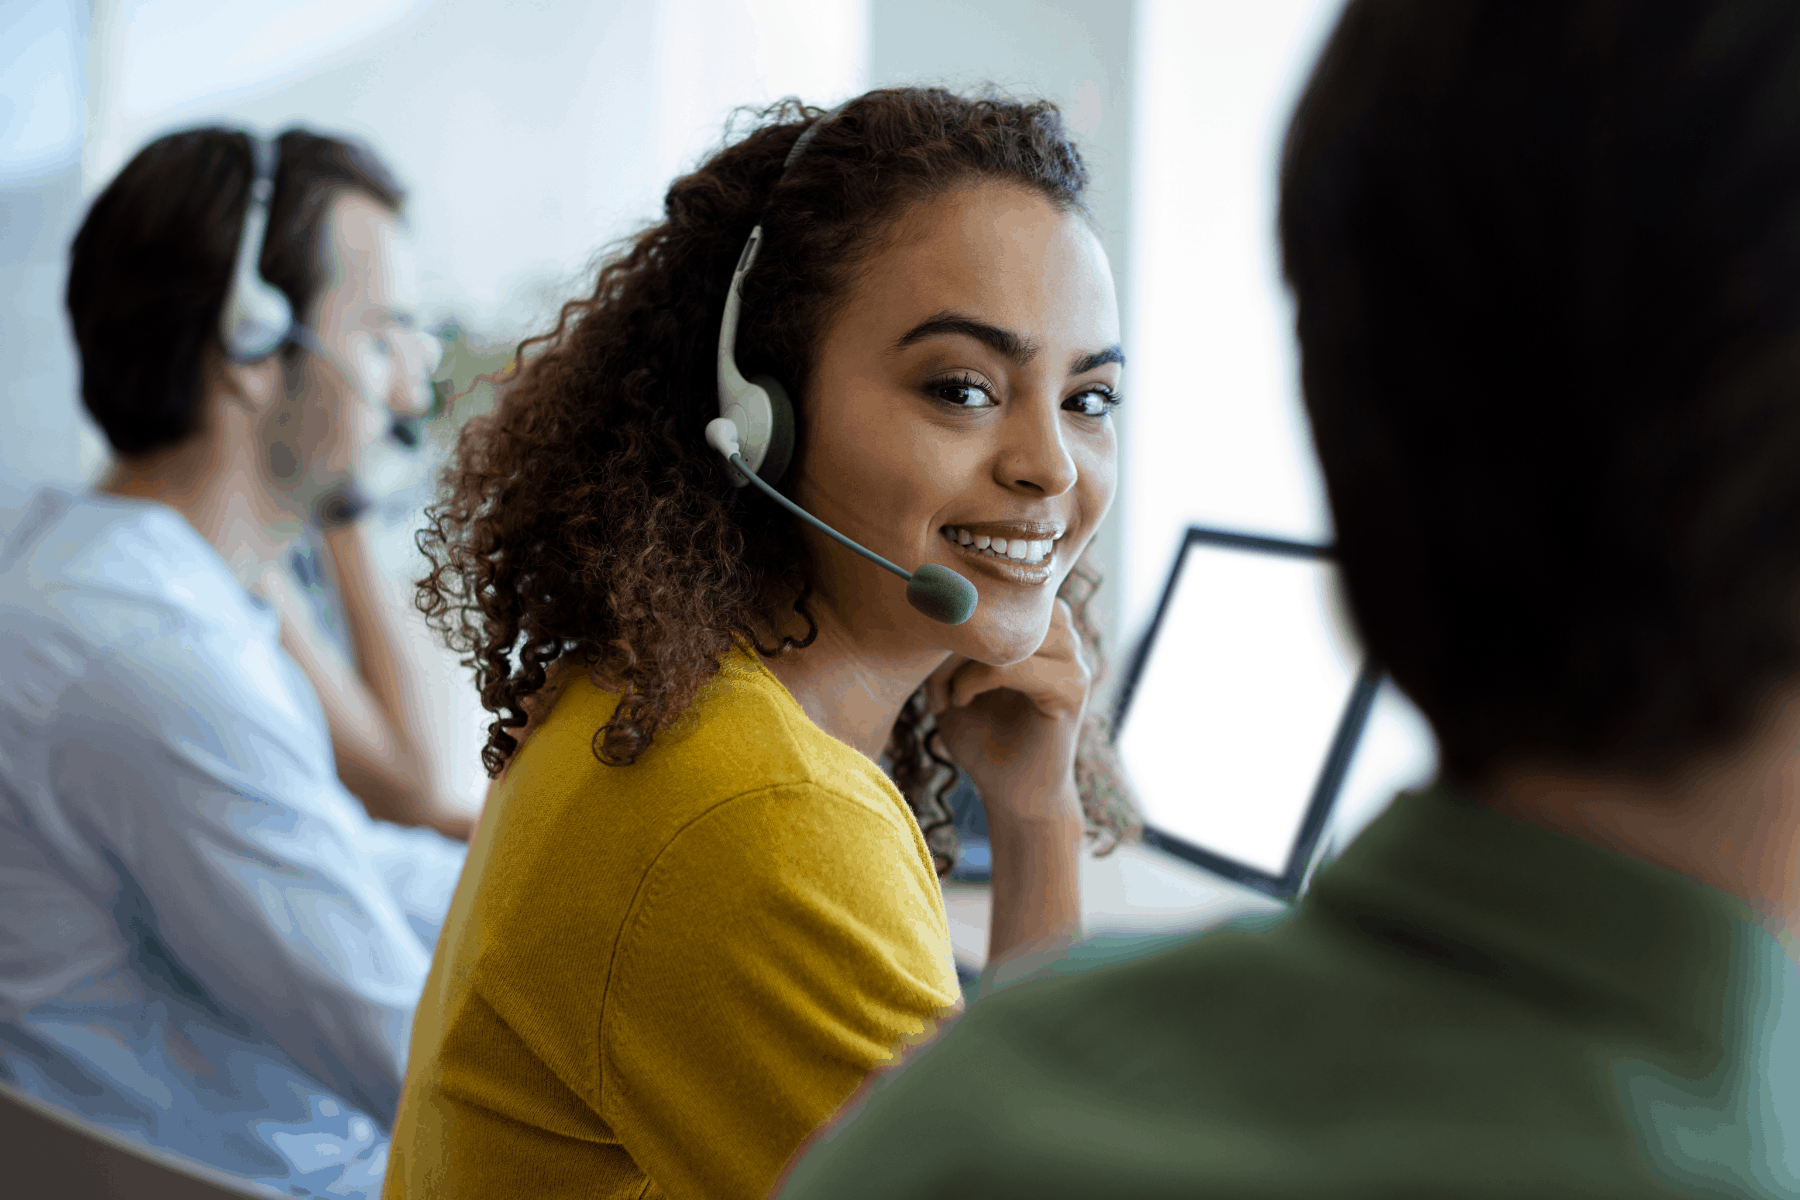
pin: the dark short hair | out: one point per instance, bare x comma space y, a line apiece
1546, 263
150, 266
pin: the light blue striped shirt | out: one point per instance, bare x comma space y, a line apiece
205, 941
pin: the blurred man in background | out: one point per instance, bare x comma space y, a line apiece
205, 940
1546, 258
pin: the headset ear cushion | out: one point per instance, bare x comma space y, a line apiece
781, 430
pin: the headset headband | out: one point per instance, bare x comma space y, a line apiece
256, 318
806, 136
754, 433
758, 408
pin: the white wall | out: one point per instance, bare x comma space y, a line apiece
1218, 435
42, 87
531, 134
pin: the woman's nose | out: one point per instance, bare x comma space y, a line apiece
1035, 458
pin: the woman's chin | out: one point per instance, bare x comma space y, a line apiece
999, 643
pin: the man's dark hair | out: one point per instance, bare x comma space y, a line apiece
150, 267
1546, 261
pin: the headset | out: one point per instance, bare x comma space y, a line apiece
255, 322
257, 319
754, 433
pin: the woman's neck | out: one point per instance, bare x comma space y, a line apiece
850, 683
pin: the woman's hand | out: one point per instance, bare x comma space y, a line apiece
1014, 729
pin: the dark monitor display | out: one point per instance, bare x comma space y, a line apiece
1238, 741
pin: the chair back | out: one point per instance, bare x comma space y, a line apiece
47, 1153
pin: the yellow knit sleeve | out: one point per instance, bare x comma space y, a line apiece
782, 945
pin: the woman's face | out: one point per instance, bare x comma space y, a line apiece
960, 401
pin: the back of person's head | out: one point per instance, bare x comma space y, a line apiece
151, 265
590, 519
1546, 260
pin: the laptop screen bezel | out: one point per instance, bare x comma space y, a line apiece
1353, 718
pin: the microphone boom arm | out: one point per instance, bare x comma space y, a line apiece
738, 462
934, 590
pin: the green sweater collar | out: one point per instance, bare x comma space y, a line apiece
1552, 918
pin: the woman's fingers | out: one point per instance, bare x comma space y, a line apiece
1055, 679
937, 684
1054, 688
979, 678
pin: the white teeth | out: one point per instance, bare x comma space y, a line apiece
1028, 550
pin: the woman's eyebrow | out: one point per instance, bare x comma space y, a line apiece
1019, 349
1099, 358
1015, 346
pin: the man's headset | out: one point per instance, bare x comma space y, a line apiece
256, 321
754, 431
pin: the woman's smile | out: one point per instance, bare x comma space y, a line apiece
1018, 553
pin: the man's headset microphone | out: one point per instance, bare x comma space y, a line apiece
257, 321
754, 432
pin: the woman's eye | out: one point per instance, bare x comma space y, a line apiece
1095, 402
963, 393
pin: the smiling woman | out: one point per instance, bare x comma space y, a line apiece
703, 904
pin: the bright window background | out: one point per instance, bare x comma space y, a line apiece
530, 134
1217, 435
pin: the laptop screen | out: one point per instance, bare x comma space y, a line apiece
1244, 705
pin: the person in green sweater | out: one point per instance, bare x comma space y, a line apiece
1546, 259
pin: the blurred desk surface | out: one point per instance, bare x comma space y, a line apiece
1135, 889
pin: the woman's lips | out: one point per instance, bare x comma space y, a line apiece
1006, 568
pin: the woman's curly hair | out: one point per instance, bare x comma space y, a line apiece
588, 521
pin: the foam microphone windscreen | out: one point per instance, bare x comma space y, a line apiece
941, 594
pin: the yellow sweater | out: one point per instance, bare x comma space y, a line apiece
657, 980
